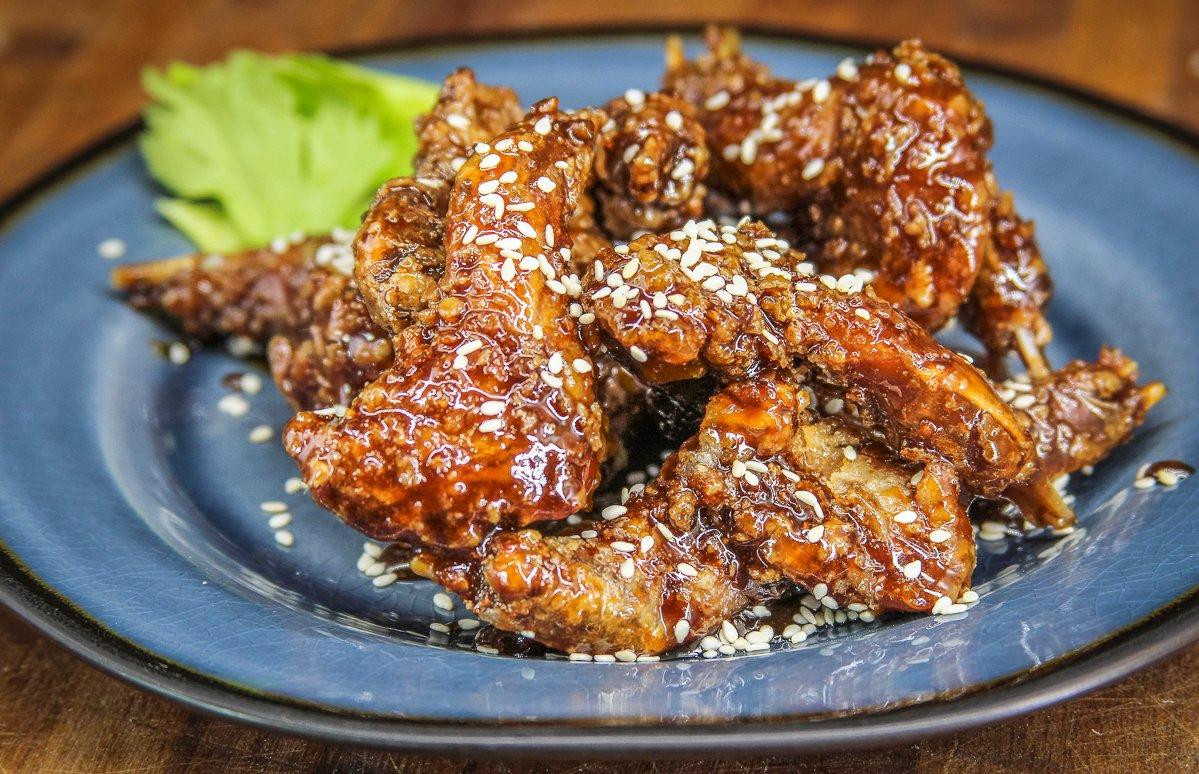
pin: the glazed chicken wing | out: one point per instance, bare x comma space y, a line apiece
489, 416
650, 164
734, 300
323, 344
765, 491
883, 166
1076, 416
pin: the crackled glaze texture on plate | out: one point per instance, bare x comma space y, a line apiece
127, 492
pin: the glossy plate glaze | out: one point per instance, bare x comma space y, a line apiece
129, 505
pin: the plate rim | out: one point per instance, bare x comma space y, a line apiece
1158, 636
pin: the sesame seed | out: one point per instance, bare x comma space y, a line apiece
939, 536
490, 651
521, 206
821, 91
681, 629
279, 520
625, 655
233, 405
751, 478
111, 248
492, 408
627, 569
1024, 401
812, 169
634, 97
624, 546
749, 150
438, 626
605, 658
903, 71
545, 184
551, 380
491, 425
178, 353
687, 569
251, 384
488, 187
1144, 482
579, 657
294, 485
815, 533
665, 531
580, 365
819, 590
260, 434
847, 69
273, 506
490, 161
509, 176
905, 517
457, 121
285, 538
674, 120
717, 100
968, 597
911, 570
638, 354
612, 511
460, 363
443, 601
487, 239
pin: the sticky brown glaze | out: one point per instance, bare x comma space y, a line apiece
650, 164
1076, 417
731, 301
708, 537
489, 416
467, 112
883, 165
323, 345
1013, 286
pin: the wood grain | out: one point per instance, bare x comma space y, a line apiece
68, 74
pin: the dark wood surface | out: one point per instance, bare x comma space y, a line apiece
68, 74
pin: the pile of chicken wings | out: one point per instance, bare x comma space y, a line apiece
758, 265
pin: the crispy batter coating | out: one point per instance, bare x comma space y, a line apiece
764, 491
1013, 288
650, 164
733, 301
323, 344
883, 165
467, 112
1076, 417
489, 416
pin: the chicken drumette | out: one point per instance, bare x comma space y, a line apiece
489, 416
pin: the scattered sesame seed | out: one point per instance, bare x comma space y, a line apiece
674, 120
294, 485
178, 353
234, 405
261, 434
634, 97
279, 520
490, 161
443, 601
687, 569
545, 184
905, 517
1145, 482
491, 425
111, 248
939, 536
681, 629
638, 354
285, 538
911, 570
273, 506
815, 533
812, 169
903, 71
847, 69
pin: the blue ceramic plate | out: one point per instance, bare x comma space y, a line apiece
130, 505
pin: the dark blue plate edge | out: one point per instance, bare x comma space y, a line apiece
1135, 648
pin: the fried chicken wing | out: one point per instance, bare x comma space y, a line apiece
1076, 416
732, 303
764, 491
1006, 308
467, 112
650, 164
323, 344
489, 416
883, 166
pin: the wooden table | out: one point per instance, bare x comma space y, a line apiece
68, 73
